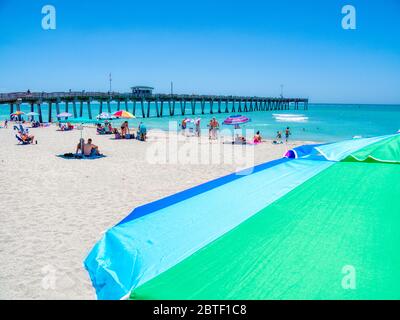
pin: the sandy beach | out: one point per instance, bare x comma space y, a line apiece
54, 210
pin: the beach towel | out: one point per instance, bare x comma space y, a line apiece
73, 156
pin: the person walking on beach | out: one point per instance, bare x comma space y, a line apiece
183, 126
197, 124
214, 125
278, 137
287, 134
210, 124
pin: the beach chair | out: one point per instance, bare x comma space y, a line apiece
20, 141
20, 129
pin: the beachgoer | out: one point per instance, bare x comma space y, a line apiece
287, 133
6, 123
27, 138
116, 133
80, 145
90, 149
142, 132
183, 126
124, 129
279, 136
257, 138
216, 127
239, 140
197, 124
210, 127
100, 129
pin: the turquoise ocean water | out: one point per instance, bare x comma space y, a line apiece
321, 122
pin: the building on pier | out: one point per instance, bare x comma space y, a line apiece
142, 91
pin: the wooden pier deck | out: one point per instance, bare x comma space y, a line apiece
162, 103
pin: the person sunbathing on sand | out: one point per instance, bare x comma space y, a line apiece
257, 138
27, 138
79, 146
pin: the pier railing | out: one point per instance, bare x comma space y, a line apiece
216, 103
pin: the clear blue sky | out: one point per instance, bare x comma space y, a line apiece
208, 47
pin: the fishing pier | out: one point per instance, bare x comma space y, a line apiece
140, 104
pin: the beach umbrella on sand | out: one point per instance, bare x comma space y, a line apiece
81, 122
124, 114
18, 113
32, 114
64, 115
236, 120
105, 116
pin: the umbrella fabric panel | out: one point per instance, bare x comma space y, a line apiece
236, 120
387, 150
82, 120
296, 248
339, 150
123, 114
136, 251
183, 195
306, 151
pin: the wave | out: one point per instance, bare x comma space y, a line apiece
291, 119
287, 115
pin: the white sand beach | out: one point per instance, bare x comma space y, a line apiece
52, 210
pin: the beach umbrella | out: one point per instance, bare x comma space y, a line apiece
32, 114
18, 113
123, 114
64, 115
105, 116
236, 120
81, 121
351, 191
